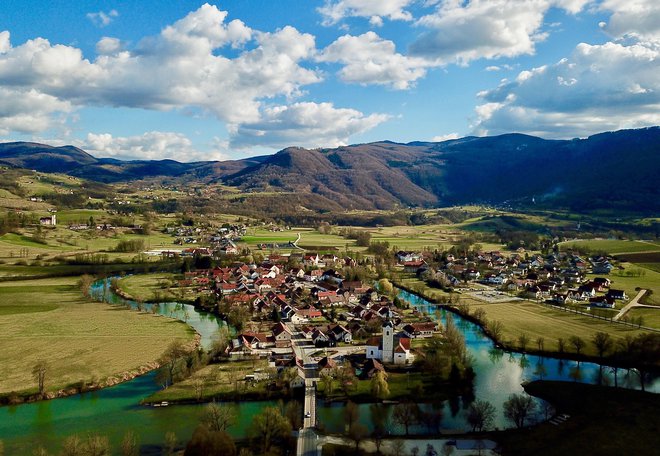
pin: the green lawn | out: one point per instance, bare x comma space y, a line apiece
145, 287
651, 316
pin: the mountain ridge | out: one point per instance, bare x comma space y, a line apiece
382, 175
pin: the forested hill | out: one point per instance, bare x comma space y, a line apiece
609, 170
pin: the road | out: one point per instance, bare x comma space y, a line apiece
630, 305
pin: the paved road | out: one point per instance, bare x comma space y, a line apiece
630, 305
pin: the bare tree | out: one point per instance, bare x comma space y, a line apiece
129, 445
219, 417
170, 443
40, 372
603, 343
540, 343
480, 415
406, 414
523, 340
577, 342
518, 407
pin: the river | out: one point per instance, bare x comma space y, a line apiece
116, 410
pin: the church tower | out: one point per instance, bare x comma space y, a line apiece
388, 341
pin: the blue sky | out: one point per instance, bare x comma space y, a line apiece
193, 81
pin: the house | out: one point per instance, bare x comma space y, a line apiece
282, 335
326, 366
416, 330
320, 338
405, 257
602, 268
340, 334
602, 301
371, 367
616, 294
604, 282
413, 266
388, 348
48, 221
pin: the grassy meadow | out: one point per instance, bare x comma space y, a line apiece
611, 246
49, 320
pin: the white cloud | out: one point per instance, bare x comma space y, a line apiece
28, 111
446, 137
600, 87
102, 19
640, 18
461, 31
334, 11
303, 124
369, 59
153, 145
183, 67
108, 46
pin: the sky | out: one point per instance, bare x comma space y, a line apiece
191, 81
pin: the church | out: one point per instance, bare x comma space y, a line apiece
390, 349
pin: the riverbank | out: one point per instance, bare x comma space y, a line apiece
629, 416
516, 319
84, 345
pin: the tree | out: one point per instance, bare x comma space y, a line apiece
385, 286
517, 408
72, 446
219, 417
269, 428
523, 340
96, 445
447, 449
602, 342
357, 432
495, 328
480, 315
40, 371
379, 387
480, 415
129, 445
205, 442
237, 317
84, 283
170, 443
577, 342
293, 410
170, 360
379, 415
406, 414
561, 345
540, 343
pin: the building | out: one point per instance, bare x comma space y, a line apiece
390, 349
48, 221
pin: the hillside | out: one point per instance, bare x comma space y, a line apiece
616, 170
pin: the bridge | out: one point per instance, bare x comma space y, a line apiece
307, 438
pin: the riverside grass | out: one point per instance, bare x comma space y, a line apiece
49, 320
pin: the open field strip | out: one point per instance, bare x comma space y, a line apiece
611, 246
536, 320
651, 316
49, 320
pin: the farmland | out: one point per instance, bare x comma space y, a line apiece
49, 320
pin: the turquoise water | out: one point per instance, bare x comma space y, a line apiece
114, 411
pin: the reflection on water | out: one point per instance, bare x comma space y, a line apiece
114, 411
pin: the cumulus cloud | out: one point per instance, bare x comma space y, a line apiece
102, 19
28, 111
334, 11
369, 59
600, 87
183, 67
639, 18
461, 31
303, 124
153, 145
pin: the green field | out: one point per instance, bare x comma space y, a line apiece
648, 279
536, 320
144, 287
49, 320
651, 316
611, 246
220, 381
